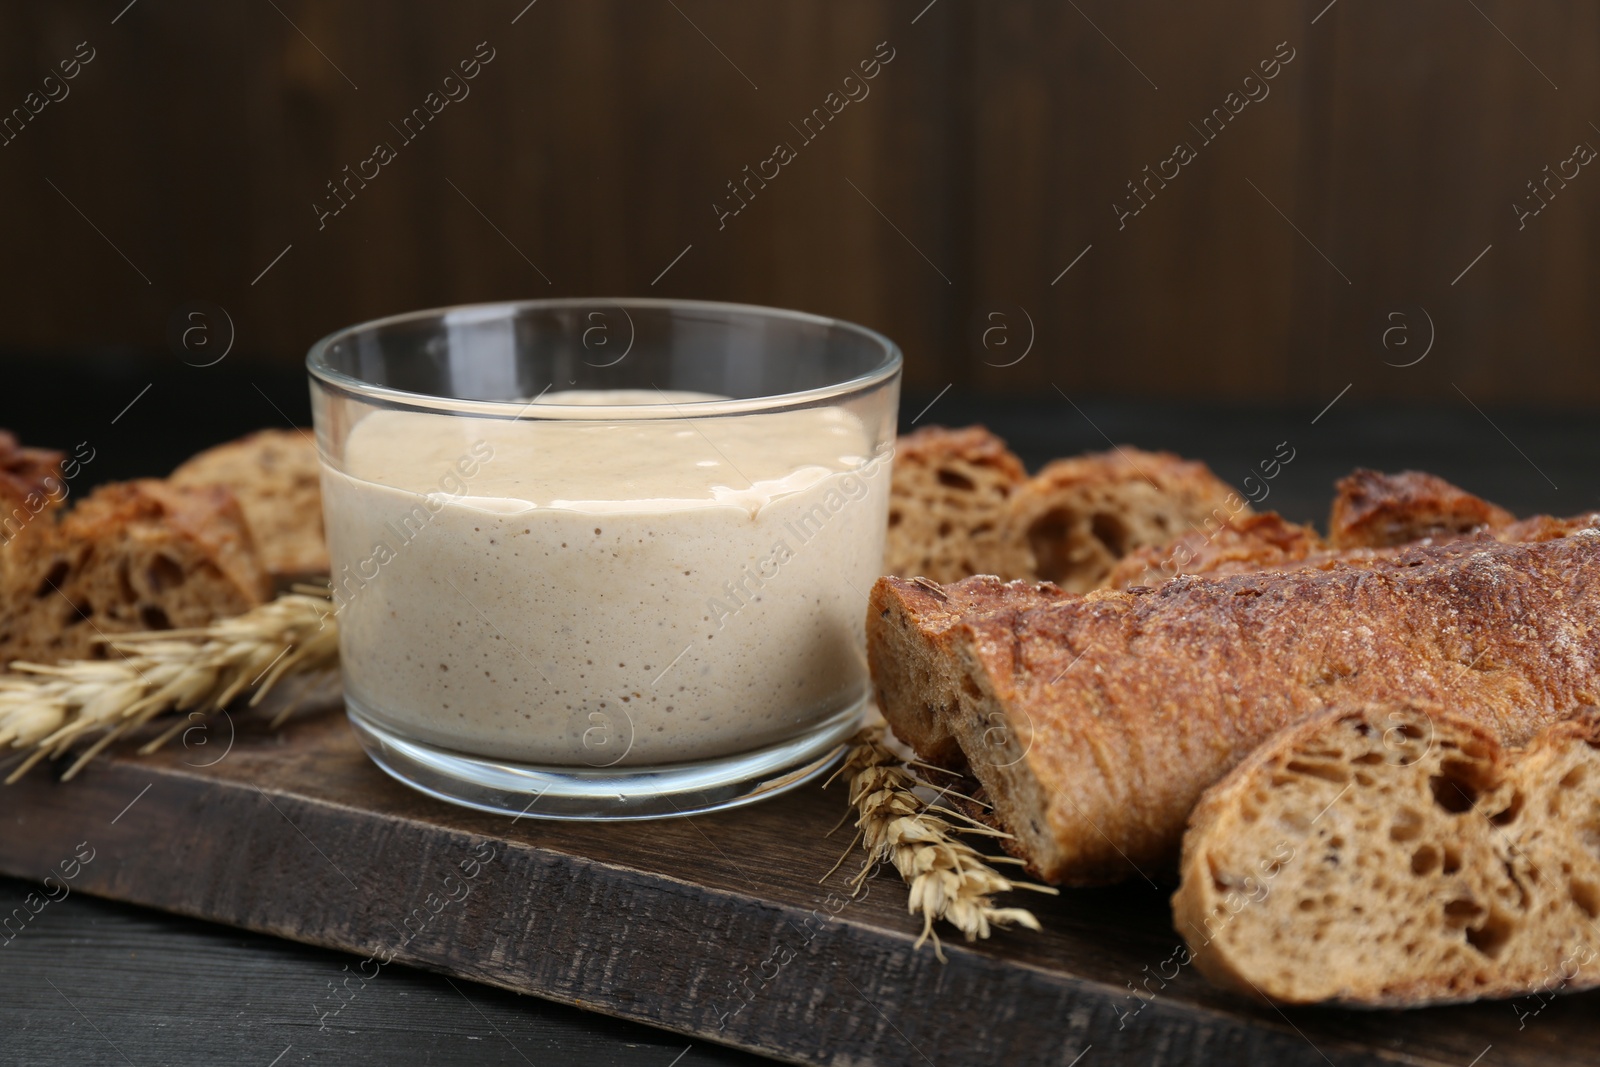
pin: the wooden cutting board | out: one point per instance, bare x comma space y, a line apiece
726, 927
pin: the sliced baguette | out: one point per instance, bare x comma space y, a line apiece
1396, 855
947, 503
1095, 722
1075, 519
31, 494
276, 476
141, 555
1239, 546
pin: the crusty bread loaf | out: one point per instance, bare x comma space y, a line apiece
1095, 722
947, 503
277, 478
1396, 855
1375, 517
1377, 510
1268, 543
140, 555
1074, 520
1538, 528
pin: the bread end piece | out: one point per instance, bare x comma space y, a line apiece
938, 700
1394, 856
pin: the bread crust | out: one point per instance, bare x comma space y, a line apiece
1268, 542
1395, 855
27, 471
1075, 519
276, 476
31, 493
1117, 709
1378, 510
1249, 543
137, 555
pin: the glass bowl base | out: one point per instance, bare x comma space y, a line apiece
538, 792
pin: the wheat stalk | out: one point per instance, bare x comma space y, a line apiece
949, 879
49, 708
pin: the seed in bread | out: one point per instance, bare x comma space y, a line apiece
1394, 856
1075, 519
277, 477
947, 503
1377, 510
141, 555
1095, 722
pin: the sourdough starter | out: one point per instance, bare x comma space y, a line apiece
592, 594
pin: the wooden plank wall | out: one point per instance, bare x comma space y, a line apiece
942, 207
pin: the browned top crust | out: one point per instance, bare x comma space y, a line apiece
1188, 480
277, 478
939, 607
26, 471
974, 444
1377, 510
1268, 542
1134, 702
1545, 528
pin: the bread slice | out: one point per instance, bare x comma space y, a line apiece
31, 493
1248, 543
31, 487
1078, 517
277, 478
1377, 510
947, 503
24, 473
1095, 722
140, 555
1397, 855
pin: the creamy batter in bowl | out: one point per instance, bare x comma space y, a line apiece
604, 559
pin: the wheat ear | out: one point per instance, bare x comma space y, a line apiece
949, 879
49, 708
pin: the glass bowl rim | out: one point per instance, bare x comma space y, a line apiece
357, 388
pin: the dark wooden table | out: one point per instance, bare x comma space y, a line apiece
90, 981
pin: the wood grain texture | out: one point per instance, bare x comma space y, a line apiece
719, 927
89, 979
1421, 154
988, 155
